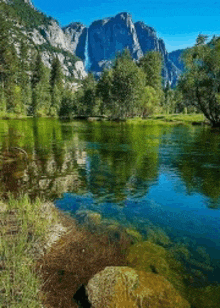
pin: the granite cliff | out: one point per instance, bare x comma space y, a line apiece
80, 48
44, 34
108, 36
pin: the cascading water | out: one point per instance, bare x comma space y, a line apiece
87, 62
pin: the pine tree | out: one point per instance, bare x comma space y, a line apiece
41, 96
104, 91
89, 94
56, 86
24, 77
9, 68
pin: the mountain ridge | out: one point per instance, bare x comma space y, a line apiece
105, 37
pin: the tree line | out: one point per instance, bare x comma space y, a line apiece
129, 88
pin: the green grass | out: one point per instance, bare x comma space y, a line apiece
186, 118
23, 229
171, 119
8, 116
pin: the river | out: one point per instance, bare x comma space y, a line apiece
161, 180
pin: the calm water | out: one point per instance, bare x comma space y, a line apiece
159, 177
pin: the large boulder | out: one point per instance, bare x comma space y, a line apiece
124, 287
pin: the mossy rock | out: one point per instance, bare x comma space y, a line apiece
114, 231
149, 257
134, 235
124, 287
89, 218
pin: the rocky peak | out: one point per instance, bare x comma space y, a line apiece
74, 26
147, 37
107, 37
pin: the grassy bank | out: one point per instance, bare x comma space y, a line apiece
24, 233
172, 119
45, 256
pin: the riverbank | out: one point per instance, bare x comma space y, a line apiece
47, 256
159, 119
172, 119
27, 231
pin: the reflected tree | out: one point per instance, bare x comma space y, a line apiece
199, 166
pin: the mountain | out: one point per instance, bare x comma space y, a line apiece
79, 47
101, 41
175, 57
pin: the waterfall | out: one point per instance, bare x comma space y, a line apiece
87, 62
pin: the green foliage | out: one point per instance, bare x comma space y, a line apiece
89, 94
104, 91
56, 86
150, 101
169, 102
68, 106
200, 84
151, 64
24, 228
127, 85
41, 96
27, 15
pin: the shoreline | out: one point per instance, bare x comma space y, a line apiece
158, 119
54, 255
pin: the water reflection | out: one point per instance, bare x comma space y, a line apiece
111, 162
150, 179
199, 166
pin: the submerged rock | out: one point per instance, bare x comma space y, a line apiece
134, 235
149, 257
125, 287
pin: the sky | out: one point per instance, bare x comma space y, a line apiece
177, 22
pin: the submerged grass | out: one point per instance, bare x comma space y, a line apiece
23, 230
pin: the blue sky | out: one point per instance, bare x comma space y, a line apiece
177, 22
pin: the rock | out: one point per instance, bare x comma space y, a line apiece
89, 218
124, 287
53, 34
96, 45
75, 35
175, 57
79, 71
110, 35
149, 257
